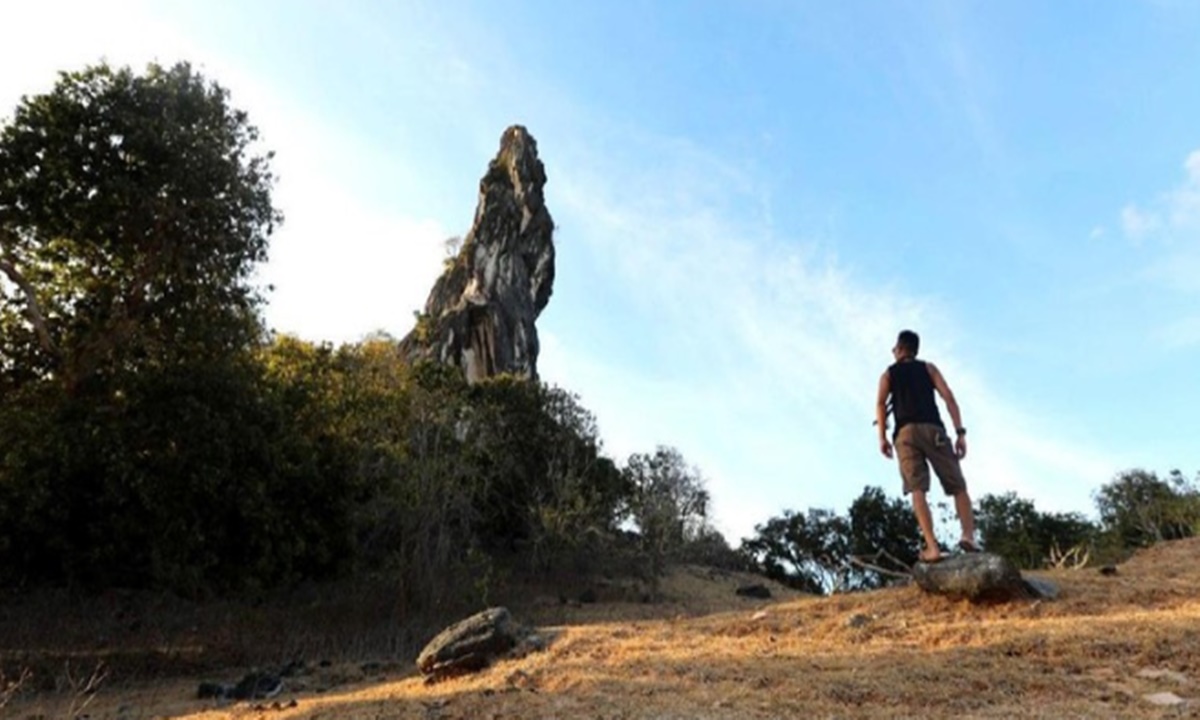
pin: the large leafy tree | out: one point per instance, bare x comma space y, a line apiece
667, 502
142, 443
806, 551
883, 533
1011, 526
133, 210
1140, 508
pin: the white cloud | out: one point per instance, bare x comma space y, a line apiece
1173, 222
1139, 224
776, 349
341, 266
1174, 216
1184, 202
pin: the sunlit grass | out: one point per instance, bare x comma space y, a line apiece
1096, 652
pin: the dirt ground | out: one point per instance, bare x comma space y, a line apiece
1125, 645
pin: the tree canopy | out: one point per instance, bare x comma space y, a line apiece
133, 211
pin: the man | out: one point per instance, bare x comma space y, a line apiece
921, 439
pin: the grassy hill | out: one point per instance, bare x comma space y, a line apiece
1103, 650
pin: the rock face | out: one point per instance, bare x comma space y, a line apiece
979, 576
480, 314
471, 644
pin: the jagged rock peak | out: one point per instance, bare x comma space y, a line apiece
480, 313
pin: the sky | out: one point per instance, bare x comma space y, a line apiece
752, 199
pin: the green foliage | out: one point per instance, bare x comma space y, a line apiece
823, 552
1140, 509
132, 214
1012, 527
189, 479
143, 444
884, 531
668, 503
806, 552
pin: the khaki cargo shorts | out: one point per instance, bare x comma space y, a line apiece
918, 445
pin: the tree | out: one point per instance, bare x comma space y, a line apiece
144, 445
807, 552
668, 503
1142, 509
885, 530
1013, 527
133, 210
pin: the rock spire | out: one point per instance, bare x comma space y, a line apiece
480, 313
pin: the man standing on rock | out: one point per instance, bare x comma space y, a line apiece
921, 439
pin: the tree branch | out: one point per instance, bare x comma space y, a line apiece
33, 310
870, 564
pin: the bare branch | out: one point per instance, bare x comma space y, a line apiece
870, 564
33, 310
10, 687
1073, 559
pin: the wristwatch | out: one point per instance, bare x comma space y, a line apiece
960, 431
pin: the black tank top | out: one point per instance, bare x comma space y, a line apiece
912, 394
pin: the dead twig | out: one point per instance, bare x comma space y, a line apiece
1075, 558
83, 689
10, 687
871, 563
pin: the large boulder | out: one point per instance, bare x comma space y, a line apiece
480, 313
471, 644
977, 577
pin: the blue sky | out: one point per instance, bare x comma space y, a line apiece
752, 199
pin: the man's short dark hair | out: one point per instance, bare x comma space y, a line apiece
910, 341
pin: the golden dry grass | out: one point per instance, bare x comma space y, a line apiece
1095, 653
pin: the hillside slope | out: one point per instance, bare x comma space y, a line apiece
1108, 646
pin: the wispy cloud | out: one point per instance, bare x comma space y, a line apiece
1169, 228
1173, 217
767, 348
341, 265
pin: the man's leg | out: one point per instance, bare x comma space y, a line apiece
966, 515
925, 520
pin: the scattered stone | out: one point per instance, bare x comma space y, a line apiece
859, 620
480, 314
1108, 570
759, 591
1157, 674
979, 576
213, 691
471, 644
253, 686
1041, 588
1164, 698
760, 615
587, 597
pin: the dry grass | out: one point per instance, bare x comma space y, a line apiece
1097, 652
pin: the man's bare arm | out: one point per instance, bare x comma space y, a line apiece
943, 388
885, 390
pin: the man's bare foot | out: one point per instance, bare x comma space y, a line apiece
968, 546
930, 555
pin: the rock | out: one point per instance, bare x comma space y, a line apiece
1041, 588
480, 314
762, 592
858, 620
1164, 698
253, 686
471, 644
1108, 570
1159, 674
979, 576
